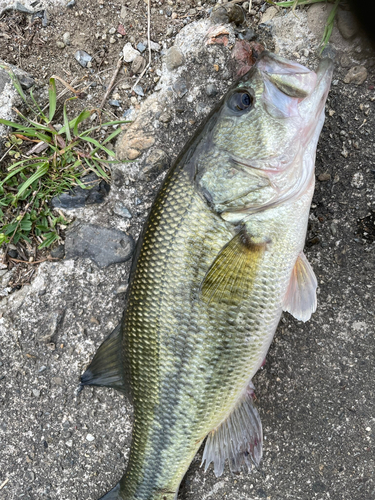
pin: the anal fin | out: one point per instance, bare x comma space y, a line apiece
239, 438
106, 368
300, 299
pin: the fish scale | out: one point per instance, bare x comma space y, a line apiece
220, 257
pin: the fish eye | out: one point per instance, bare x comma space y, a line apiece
241, 100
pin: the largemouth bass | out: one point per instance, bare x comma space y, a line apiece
220, 258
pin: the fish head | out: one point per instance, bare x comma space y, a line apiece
264, 134
273, 110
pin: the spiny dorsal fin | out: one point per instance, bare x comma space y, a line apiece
239, 438
106, 369
300, 299
233, 271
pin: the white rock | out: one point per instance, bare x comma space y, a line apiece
90, 437
130, 53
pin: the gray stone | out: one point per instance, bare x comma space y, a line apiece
138, 65
174, 58
79, 197
66, 38
122, 288
227, 13
347, 24
139, 90
58, 252
129, 53
180, 87
269, 14
141, 47
36, 393
156, 162
115, 103
105, 246
61, 45
82, 57
356, 75
211, 90
121, 210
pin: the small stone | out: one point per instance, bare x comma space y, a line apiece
211, 90
174, 15
356, 75
129, 53
105, 246
79, 197
60, 45
122, 288
115, 103
112, 40
123, 12
94, 321
71, 4
347, 24
120, 210
357, 180
69, 443
132, 153
57, 381
82, 57
180, 87
155, 47
36, 393
229, 13
157, 162
42, 369
139, 90
345, 61
138, 65
141, 47
269, 14
58, 252
66, 38
324, 177
174, 59
165, 117
90, 437
112, 31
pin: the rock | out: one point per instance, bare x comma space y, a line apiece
60, 45
71, 4
66, 38
82, 57
90, 437
133, 143
155, 46
36, 393
129, 53
180, 87
227, 13
112, 31
141, 47
269, 14
69, 443
324, 177
165, 117
105, 246
356, 75
79, 197
121, 210
49, 328
115, 103
174, 59
156, 162
138, 65
211, 90
139, 90
112, 40
122, 288
58, 252
347, 24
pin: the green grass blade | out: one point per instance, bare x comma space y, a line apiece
80, 118
42, 170
97, 144
66, 124
112, 136
52, 98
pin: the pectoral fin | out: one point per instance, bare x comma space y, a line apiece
300, 299
232, 273
106, 368
239, 438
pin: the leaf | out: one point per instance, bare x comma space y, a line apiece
49, 238
80, 118
42, 170
52, 98
98, 145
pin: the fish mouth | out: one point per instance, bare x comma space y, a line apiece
292, 90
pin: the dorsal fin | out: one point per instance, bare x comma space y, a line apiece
106, 368
239, 438
300, 299
233, 271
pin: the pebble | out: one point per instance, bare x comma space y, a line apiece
180, 87
347, 24
155, 46
42, 369
165, 117
71, 4
66, 38
112, 40
139, 90
141, 47
357, 180
112, 31
58, 252
90, 437
324, 177
122, 211
356, 75
129, 53
211, 90
157, 162
79, 197
82, 57
115, 103
60, 45
69, 443
138, 65
36, 393
122, 288
174, 59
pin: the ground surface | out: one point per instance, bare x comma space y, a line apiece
315, 394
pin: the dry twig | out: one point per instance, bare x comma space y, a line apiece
111, 83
